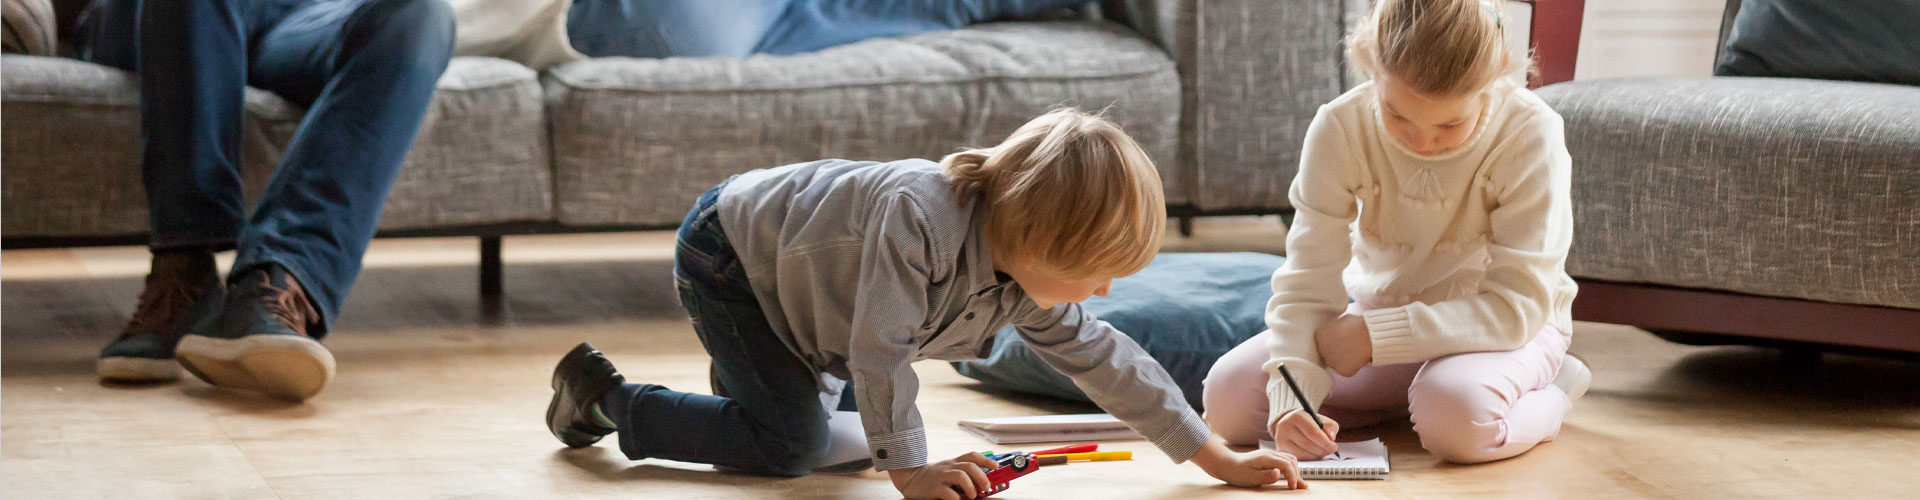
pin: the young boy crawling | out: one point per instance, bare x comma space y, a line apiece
801, 277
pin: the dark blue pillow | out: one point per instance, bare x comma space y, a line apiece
1857, 40
1185, 309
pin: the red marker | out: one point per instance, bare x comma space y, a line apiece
1078, 448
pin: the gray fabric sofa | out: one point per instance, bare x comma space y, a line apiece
1218, 92
1751, 210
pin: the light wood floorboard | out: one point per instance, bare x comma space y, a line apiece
433, 402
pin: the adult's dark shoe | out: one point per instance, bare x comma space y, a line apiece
261, 343
183, 293
579, 381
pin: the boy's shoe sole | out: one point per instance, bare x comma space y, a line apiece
284, 366
135, 369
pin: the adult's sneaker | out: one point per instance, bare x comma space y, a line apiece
260, 342
183, 293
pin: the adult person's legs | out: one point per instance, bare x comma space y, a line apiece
366, 70
739, 28
191, 105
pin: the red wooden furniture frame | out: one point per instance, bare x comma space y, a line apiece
1555, 36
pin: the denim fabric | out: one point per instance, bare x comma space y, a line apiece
365, 70
772, 421
738, 28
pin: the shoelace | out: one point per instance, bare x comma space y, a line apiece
163, 301
289, 305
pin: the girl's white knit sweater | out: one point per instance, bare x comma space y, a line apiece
1456, 252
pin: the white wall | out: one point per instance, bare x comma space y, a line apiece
1648, 38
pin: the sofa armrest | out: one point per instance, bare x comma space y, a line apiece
1765, 186
1252, 75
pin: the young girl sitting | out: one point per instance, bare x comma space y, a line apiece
801, 277
1455, 181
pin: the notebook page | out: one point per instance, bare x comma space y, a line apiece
1047, 423
1360, 460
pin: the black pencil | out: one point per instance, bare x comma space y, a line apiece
1304, 405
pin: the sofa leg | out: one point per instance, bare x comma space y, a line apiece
1799, 361
1186, 226
491, 297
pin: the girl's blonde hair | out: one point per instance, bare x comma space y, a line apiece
1440, 48
1070, 191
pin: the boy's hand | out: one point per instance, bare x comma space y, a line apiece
1345, 345
1248, 470
1295, 433
961, 478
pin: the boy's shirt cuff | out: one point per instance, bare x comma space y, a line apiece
1183, 440
900, 450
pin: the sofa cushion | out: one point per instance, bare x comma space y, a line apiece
72, 149
1782, 187
1186, 310
1876, 41
636, 140
481, 156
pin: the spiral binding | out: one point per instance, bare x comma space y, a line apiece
1348, 473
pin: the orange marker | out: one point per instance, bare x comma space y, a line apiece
1096, 456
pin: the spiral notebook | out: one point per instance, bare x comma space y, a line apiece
1360, 460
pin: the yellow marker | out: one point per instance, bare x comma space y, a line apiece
1096, 456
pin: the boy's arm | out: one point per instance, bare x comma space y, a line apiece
1117, 374
889, 309
1308, 289
1531, 231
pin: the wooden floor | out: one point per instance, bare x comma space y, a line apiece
433, 401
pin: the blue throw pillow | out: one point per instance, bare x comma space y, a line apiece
1868, 41
1185, 309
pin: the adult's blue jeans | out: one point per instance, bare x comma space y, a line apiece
738, 28
364, 69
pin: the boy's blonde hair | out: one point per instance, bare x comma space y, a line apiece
1439, 48
1069, 190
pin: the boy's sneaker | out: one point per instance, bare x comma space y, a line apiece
578, 382
183, 293
1574, 377
260, 341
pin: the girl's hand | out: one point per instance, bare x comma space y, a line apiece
958, 479
1248, 470
1295, 434
1345, 345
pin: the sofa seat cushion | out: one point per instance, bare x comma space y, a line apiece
637, 140
72, 149
1791, 188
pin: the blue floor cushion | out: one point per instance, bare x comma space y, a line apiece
1186, 309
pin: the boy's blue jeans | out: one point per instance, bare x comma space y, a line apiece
365, 70
772, 420
738, 28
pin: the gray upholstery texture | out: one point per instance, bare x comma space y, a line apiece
482, 155
70, 146
71, 149
1252, 75
636, 140
1781, 187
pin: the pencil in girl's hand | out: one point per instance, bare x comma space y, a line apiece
1304, 405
